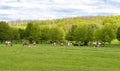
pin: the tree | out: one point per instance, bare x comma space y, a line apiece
22, 33
45, 34
90, 29
118, 33
105, 34
56, 34
82, 33
32, 32
28, 30
35, 35
14, 34
71, 34
4, 31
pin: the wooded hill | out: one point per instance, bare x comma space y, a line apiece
78, 29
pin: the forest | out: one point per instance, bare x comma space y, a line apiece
83, 30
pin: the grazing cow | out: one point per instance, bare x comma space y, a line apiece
25, 43
53, 43
34, 43
96, 44
8, 43
61, 44
69, 44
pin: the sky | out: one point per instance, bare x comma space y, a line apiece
53, 9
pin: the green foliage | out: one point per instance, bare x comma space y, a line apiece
32, 32
115, 41
56, 34
83, 29
28, 30
90, 32
8, 33
106, 33
14, 34
97, 34
4, 31
45, 34
35, 35
81, 33
71, 34
22, 33
118, 33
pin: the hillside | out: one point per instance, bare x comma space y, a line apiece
89, 19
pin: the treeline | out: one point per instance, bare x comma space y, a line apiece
8, 33
77, 30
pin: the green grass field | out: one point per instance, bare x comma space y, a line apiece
48, 58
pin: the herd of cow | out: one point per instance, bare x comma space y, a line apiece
25, 43
53, 43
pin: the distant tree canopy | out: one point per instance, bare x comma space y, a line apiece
118, 33
71, 34
105, 34
56, 34
84, 30
4, 31
32, 32
8, 33
14, 34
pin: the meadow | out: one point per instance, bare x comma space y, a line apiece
45, 57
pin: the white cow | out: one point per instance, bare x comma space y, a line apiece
97, 44
8, 43
69, 44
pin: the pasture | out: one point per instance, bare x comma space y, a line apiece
45, 57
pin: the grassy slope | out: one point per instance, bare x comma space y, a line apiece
48, 58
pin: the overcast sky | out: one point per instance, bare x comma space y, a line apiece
52, 9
